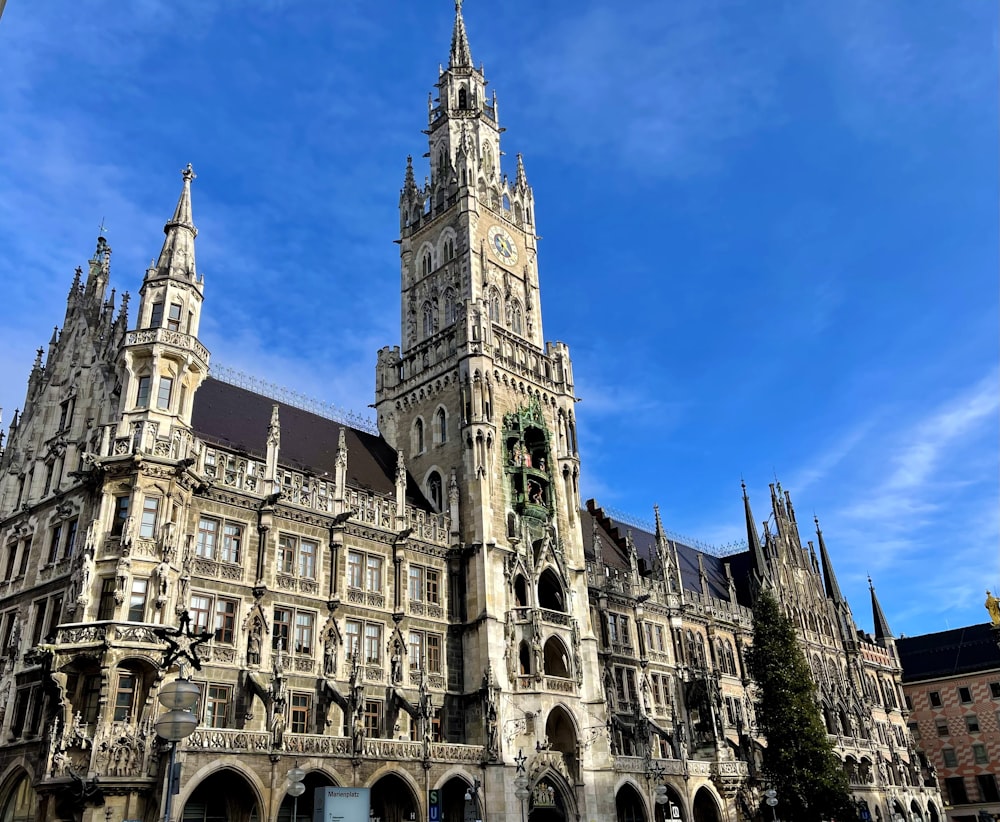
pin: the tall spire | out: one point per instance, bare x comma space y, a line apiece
753, 537
177, 255
882, 630
829, 578
461, 54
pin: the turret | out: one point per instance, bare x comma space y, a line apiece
883, 634
760, 566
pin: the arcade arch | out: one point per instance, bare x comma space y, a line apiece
225, 795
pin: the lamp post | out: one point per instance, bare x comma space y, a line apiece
472, 802
178, 723
521, 781
772, 800
295, 788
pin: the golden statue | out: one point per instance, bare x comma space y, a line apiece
993, 606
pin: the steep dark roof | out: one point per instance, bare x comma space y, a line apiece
612, 535
946, 653
238, 419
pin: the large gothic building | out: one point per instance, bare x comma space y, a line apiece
428, 609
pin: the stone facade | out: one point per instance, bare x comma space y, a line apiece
428, 606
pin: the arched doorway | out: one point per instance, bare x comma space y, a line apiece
393, 800
19, 801
304, 807
628, 804
225, 796
705, 807
547, 801
560, 734
665, 812
454, 804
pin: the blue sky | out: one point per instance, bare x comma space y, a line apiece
769, 232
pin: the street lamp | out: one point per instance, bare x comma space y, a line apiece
295, 789
178, 723
521, 781
772, 800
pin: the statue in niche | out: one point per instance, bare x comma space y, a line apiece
331, 649
254, 643
396, 661
537, 653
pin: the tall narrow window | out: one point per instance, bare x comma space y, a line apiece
433, 653
232, 540
225, 621
208, 530
156, 315
304, 622
449, 304
71, 529
286, 554
441, 419
200, 611
307, 559
147, 525
428, 319
416, 650
142, 394
352, 638
435, 491
217, 700
373, 643
433, 587
125, 696
137, 600
282, 628
54, 543
373, 573
163, 395
418, 436
300, 709
416, 588
174, 317
354, 570
106, 605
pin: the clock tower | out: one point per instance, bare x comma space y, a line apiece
482, 410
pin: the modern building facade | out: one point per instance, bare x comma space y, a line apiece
425, 605
951, 681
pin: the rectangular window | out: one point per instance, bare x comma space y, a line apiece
54, 544
38, 623
232, 542
174, 317
125, 696
950, 757
200, 611
964, 695
433, 587
914, 730
972, 724
282, 628
286, 554
307, 559
25, 556
147, 525
613, 627
208, 531
352, 638
304, 622
90, 698
416, 590
354, 564
225, 621
935, 699
979, 754
373, 643
55, 614
660, 644
142, 392
301, 708
373, 573
217, 701
626, 635
987, 788
156, 315
416, 650
71, 529
163, 393
942, 727
995, 690
137, 600
106, 606
120, 515
8, 572
373, 718
434, 653
956, 790
908, 702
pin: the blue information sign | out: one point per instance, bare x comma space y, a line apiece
434, 806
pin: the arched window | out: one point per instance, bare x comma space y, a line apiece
488, 161
449, 306
495, 310
442, 163
428, 315
418, 436
435, 490
425, 268
515, 318
463, 98
441, 425
506, 202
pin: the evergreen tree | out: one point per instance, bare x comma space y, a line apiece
799, 760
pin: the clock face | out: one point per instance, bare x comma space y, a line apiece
502, 244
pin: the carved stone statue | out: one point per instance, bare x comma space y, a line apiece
396, 663
537, 654
253, 643
993, 607
330, 653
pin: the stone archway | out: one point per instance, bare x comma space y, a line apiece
393, 800
916, 814
932, 812
705, 807
560, 735
629, 806
665, 812
549, 800
312, 781
18, 801
224, 796
453, 804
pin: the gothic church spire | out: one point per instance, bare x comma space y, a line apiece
176, 258
829, 578
461, 54
882, 630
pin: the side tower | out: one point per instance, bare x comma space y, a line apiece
484, 410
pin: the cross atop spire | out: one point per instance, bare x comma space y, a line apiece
461, 54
